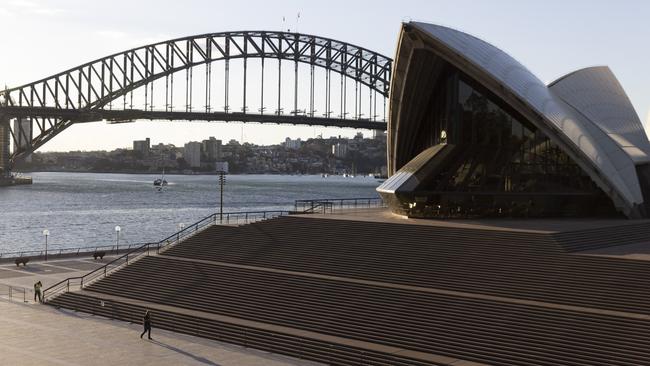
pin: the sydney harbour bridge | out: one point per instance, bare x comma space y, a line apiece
248, 76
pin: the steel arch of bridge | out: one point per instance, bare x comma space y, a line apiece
87, 92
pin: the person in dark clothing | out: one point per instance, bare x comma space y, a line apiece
37, 291
146, 321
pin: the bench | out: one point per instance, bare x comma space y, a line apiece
22, 260
99, 254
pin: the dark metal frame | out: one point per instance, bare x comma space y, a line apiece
87, 93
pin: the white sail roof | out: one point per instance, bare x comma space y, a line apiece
596, 93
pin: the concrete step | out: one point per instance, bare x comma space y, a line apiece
434, 293
299, 344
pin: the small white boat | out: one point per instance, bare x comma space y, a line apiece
160, 182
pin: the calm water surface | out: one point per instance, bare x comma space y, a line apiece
82, 209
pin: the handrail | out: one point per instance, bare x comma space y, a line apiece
66, 251
227, 217
330, 204
14, 292
145, 249
308, 206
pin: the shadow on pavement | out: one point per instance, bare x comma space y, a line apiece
197, 358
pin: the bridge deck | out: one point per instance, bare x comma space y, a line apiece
128, 115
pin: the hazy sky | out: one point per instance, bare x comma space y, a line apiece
550, 37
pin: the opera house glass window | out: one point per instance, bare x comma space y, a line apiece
502, 164
502, 153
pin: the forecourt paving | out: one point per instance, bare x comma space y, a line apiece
42, 335
34, 334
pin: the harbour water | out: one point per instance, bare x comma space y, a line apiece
82, 209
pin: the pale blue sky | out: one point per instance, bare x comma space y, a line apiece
551, 38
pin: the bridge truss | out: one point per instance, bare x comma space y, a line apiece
293, 74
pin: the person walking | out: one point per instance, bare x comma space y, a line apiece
146, 322
37, 291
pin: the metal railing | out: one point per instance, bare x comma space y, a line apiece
228, 218
149, 248
234, 218
245, 217
328, 205
14, 293
57, 252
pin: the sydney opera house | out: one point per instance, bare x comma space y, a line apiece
473, 133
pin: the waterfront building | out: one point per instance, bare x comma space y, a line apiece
340, 149
192, 154
292, 144
142, 146
472, 133
211, 149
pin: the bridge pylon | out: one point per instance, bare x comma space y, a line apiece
5, 135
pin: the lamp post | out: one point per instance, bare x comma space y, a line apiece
222, 170
181, 226
46, 233
117, 239
222, 182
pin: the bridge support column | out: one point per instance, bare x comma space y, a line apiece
5, 136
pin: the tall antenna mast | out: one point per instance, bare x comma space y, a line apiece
297, 20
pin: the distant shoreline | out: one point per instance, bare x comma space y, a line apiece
174, 173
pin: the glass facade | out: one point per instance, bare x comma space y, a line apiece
504, 164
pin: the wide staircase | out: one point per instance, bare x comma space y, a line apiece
606, 236
369, 293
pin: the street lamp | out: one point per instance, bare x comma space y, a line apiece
46, 233
222, 182
181, 226
222, 170
117, 239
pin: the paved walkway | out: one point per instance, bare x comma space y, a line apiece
34, 334
48, 273
41, 335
